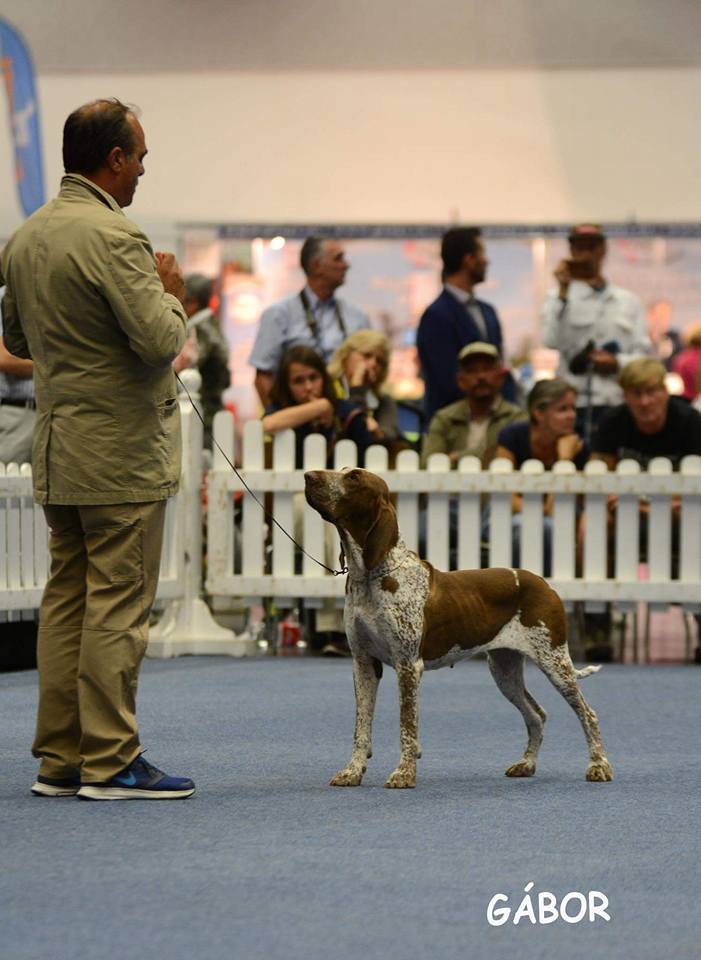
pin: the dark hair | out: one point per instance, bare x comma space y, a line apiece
311, 249
280, 393
92, 131
455, 244
198, 288
545, 392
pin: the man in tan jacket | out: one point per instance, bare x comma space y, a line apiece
101, 317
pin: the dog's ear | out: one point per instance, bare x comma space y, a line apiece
382, 536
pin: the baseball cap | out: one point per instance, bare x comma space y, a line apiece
586, 231
478, 349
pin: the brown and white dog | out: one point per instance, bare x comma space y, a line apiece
402, 612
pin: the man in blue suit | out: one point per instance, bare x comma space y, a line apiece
455, 319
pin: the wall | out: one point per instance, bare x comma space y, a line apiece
529, 146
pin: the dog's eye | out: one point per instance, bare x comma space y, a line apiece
353, 475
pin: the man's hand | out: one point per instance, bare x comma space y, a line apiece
170, 274
563, 277
604, 362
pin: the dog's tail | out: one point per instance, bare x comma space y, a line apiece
586, 672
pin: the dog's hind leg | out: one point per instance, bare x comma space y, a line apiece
507, 669
556, 664
409, 676
365, 679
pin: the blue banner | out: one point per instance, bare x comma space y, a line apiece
18, 77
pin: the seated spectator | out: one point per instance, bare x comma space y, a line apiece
304, 400
649, 423
360, 367
470, 427
550, 434
548, 437
687, 363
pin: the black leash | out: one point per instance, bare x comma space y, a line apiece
267, 514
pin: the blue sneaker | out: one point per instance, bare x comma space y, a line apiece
139, 781
56, 787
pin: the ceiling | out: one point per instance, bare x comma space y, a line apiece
143, 36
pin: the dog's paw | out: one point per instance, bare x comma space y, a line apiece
350, 776
524, 768
599, 771
403, 778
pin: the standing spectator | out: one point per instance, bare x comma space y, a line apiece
470, 426
16, 404
100, 315
212, 347
315, 315
687, 362
360, 367
596, 326
455, 319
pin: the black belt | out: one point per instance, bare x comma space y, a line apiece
30, 404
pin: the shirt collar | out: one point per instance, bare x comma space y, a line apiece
466, 414
588, 291
75, 184
462, 296
314, 301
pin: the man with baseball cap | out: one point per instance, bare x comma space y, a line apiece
471, 425
596, 326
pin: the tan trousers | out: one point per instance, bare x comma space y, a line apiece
93, 631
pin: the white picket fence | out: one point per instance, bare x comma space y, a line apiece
186, 625
250, 563
252, 572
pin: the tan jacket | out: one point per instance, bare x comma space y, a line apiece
85, 303
448, 431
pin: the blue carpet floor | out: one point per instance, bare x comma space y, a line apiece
267, 861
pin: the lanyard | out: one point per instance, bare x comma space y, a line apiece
311, 319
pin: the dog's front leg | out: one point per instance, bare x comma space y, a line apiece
409, 677
365, 680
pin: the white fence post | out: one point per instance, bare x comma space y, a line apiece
596, 536
532, 552
438, 516
469, 518
407, 503
187, 626
500, 518
564, 515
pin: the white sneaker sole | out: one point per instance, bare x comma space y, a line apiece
131, 793
47, 790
